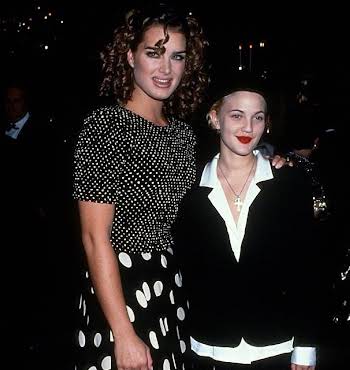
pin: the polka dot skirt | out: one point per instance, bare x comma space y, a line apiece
155, 304
145, 170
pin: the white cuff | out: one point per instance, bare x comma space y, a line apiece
305, 356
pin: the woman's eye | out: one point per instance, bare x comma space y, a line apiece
152, 54
260, 118
236, 116
179, 57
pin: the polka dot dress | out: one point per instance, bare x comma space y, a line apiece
145, 170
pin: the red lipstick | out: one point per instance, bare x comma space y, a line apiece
244, 139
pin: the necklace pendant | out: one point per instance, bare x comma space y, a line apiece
238, 203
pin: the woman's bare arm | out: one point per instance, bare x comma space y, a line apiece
96, 223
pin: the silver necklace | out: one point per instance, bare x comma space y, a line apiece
237, 200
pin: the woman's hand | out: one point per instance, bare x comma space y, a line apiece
132, 353
277, 161
301, 367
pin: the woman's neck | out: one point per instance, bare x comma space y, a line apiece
234, 162
149, 109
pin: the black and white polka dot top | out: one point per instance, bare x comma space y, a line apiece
143, 169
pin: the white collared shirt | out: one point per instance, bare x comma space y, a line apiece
218, 199
14, 132
244, 353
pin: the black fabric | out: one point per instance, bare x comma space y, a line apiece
273, 293
156, 306
226, 83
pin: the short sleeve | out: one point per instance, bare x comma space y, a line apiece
96, 161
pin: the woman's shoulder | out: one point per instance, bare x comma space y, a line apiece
103, 125
292, 176
195, 198
104, 115
106, 120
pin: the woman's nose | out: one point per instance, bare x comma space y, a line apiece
248, 127
165, 65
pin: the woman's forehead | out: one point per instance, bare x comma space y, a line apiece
157, 32
247, 98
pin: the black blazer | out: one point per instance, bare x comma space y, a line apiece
271, 294
27, 162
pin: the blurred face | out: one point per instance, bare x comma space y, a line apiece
15, 105
241, 120
158, 75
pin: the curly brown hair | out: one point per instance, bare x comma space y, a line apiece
118, 75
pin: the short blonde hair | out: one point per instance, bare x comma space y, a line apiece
215, 107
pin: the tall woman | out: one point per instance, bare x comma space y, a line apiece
134, 161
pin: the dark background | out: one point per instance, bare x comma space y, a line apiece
303, 42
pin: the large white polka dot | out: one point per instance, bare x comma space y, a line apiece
178, 280
111, 338
87, 274
181, 313
166, 324
81, 338
141, 299
177, 332
153, 339
97, 339
171, 296
166, 364
170, 250
130, 314
182, 346
125, 259
92, 290
158, 288
87, 320
146, 291
92, 368
146, 256
80, 301
106, 363
84, 307
174, 362
162, 327
163, 261
188, 304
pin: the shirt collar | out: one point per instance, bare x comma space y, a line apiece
21, 122
263, 171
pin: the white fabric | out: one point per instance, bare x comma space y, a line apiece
244, 353
218, 199
305, 356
